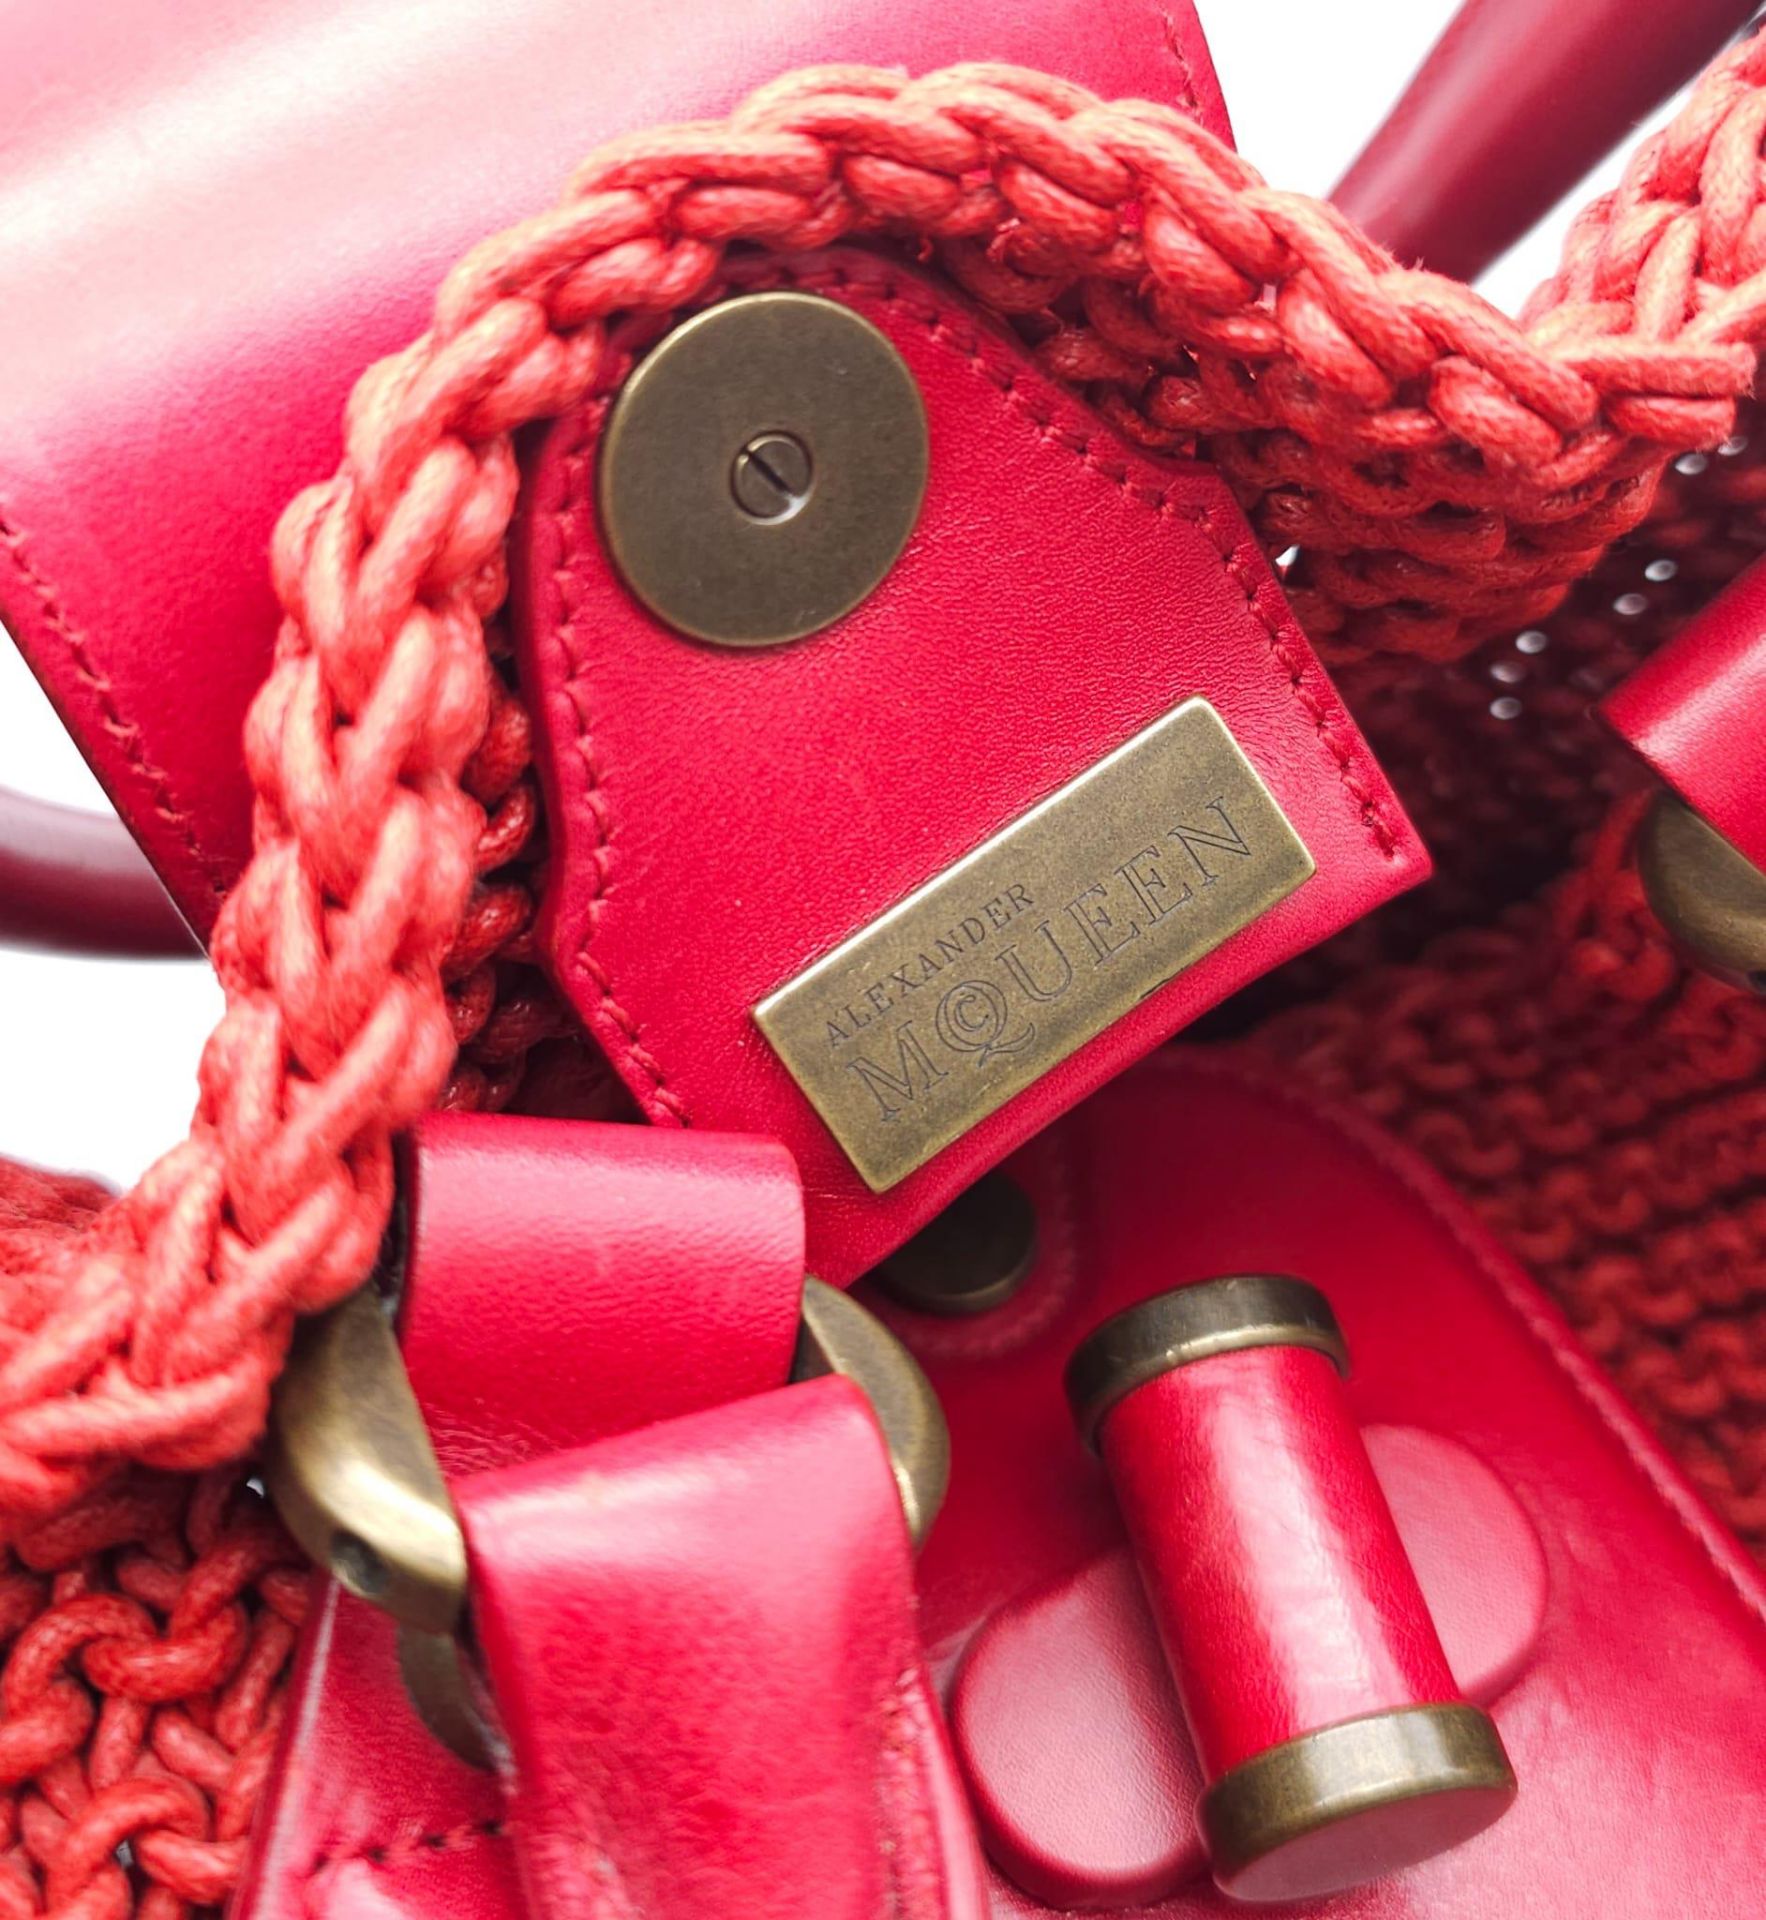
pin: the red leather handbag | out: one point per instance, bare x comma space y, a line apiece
892, 1261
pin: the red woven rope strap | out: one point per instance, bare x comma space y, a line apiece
1446, 471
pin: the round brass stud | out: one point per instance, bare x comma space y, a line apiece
1193, 1323
970, 1258
762, 468
1708, 894
1355, 1802
837, 1335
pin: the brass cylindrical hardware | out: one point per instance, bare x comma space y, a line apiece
1193, 1323
1706, 892
1395, 1787
970, 1258
1325, 1717
762, 468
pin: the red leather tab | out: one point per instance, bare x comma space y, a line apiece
565, 1281
1086, 1791
1272, 1563
727, 816
1696, 712
270, 191
702, 1645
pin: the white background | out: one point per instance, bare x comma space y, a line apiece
97, 1058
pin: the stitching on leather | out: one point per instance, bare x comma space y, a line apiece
908, 1822
1374, 1145
126, 736
400, 1851
631, 1051
1186, 96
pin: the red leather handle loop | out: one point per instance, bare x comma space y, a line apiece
1515, 102
75, 882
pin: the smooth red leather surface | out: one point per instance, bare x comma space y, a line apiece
702, 1645
565, 1280
219, 212
75, 882
1086, 1791
727, 816
1637, 1728
1696, 711
1516, 101
1283, 1595
649, 1285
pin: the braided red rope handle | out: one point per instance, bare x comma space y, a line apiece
1446, 471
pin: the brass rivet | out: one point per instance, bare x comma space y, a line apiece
762, 469
972, 1257
1193, 1323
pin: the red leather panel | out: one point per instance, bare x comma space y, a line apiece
1086, 1793
218, 212
1272, 1564
702, 1644
728, 816
1516, 101
675, 1291
565, 1279
1696, 712
1638, 1728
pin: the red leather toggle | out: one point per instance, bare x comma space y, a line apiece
1273, 1566
702, 1644
565, 1281
1696, 712
725, 817
1286, 1606
1086, 1791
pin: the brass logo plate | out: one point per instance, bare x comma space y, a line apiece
926, 1021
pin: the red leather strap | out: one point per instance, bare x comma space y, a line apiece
1517, 100
702, 1645
630, 1275
566, 1280
1696, 712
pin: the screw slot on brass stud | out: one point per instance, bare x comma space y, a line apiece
772, 476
